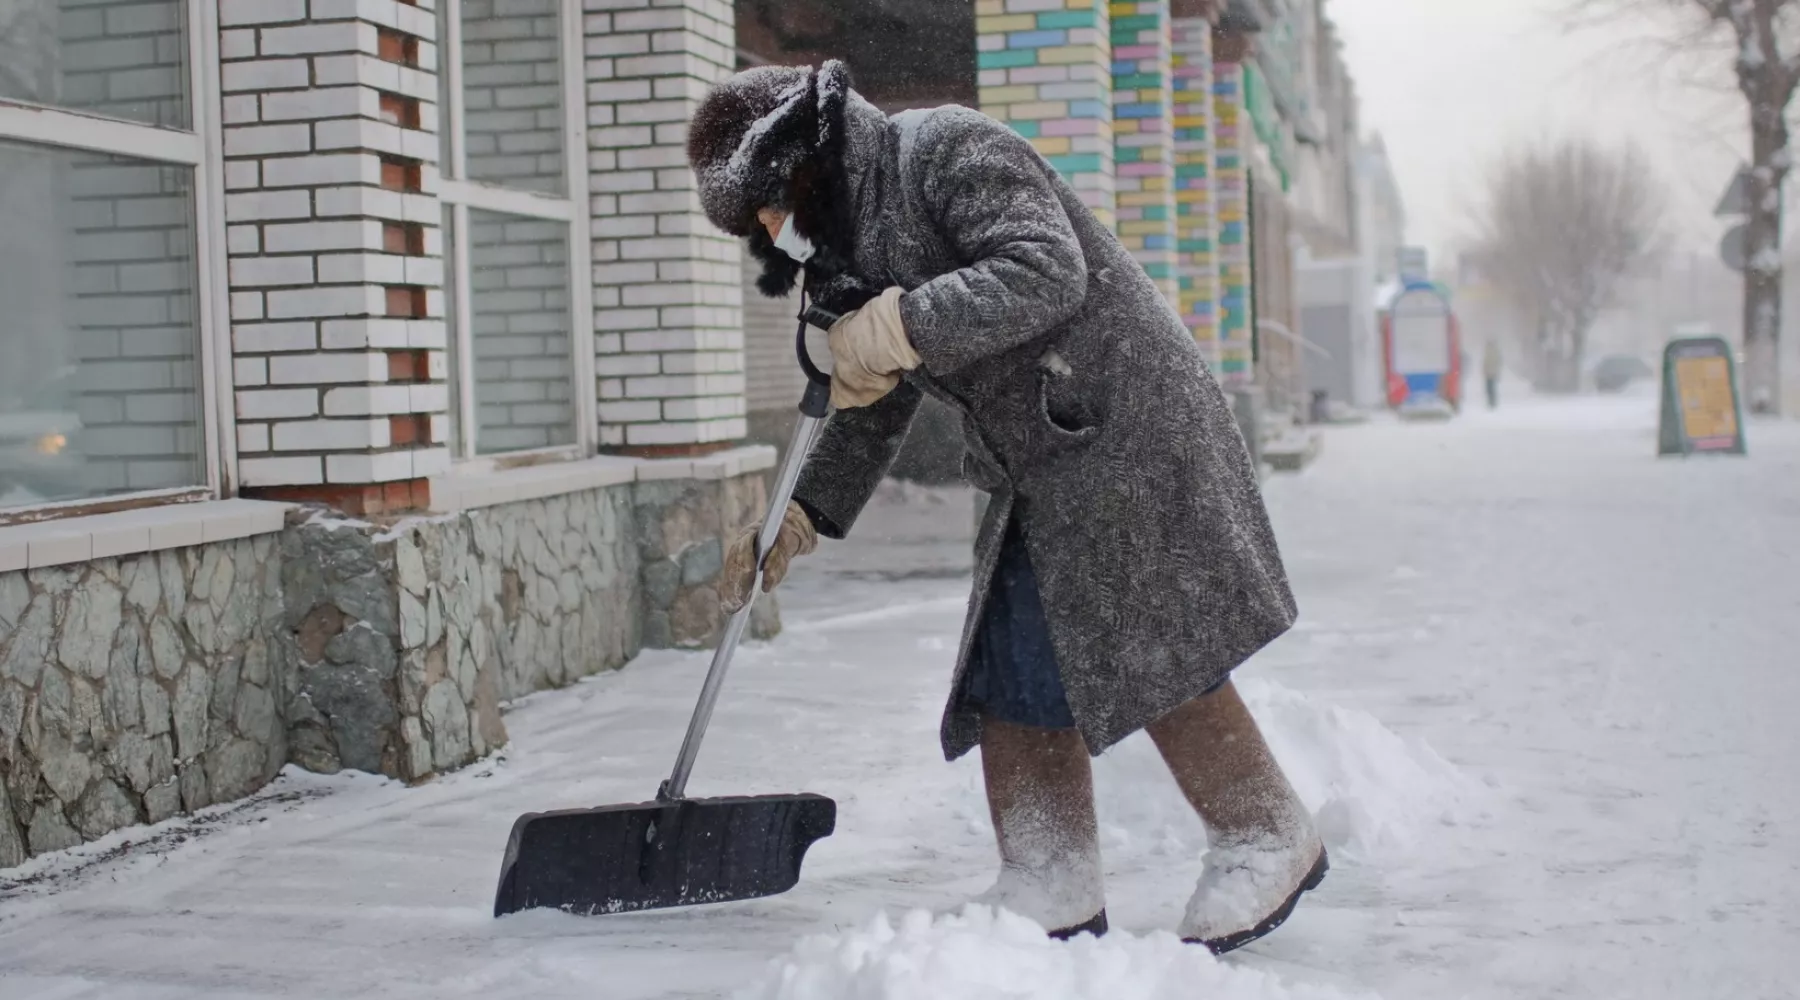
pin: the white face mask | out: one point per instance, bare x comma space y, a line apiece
790, 242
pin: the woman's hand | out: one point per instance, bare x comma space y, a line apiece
869, 350
797, 538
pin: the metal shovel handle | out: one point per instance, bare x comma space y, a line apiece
814, 405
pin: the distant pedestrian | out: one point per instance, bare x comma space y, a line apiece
1491, 366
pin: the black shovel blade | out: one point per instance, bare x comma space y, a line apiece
616, 859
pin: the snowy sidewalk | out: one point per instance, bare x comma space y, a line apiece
1604, 645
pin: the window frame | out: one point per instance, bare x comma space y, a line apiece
459, 194
200, 147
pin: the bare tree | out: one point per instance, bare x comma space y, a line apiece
1563, 224
1763, 38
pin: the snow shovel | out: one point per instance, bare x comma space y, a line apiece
678, 851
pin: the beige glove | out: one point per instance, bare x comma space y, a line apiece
796, 538
869, 350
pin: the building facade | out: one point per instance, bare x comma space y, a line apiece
367, 363
362, 365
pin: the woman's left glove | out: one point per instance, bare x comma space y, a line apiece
796, 538
869, 350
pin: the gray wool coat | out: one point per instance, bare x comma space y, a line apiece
1088, 414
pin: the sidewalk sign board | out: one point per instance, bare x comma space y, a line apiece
1701, 412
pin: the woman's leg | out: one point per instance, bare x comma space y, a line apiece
1040, 791
1217, 753
1262, 848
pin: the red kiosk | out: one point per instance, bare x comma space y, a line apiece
1422, 350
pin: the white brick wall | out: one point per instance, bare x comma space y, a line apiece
335, 267
669, 327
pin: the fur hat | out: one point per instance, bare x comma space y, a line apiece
755, 132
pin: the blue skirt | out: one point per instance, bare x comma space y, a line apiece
1013, 675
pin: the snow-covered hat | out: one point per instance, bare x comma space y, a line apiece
753, 131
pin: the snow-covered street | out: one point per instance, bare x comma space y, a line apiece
1542, 698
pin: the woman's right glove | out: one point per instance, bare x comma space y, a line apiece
869, 351
796, 538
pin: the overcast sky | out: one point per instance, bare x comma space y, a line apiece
1450, 83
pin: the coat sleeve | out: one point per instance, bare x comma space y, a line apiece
991, 197
852, 457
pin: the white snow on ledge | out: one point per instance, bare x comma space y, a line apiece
454, 492
131, 532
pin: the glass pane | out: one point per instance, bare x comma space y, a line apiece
512, 93
121, 58
519, 300
99, 333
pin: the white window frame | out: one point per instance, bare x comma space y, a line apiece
201, 147
459, 194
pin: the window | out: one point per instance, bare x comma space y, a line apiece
515, 196
107, 282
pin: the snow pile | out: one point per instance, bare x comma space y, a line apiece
986, 954
1373, 792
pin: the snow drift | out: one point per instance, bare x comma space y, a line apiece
985, 954
1373, 793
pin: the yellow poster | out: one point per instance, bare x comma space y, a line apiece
1708, 408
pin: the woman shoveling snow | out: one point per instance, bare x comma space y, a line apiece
1125, 565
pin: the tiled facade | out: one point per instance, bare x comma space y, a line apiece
1233, 138
1143, 136
1044, 67
1196, 217
1175, 178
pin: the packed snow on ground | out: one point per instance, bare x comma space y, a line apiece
986, 954
1540, 699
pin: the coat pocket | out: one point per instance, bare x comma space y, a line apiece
1063, 406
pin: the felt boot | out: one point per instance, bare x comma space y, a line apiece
1040, 790
1262, 848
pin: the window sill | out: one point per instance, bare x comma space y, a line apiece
454, 492
131, 532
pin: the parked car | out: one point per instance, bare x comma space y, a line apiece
1617, 371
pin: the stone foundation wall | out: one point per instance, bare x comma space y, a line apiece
136, 688
132, 689
407, 638
683, 526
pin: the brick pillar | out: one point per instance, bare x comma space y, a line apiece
336, 267
1233, 137
1044, 69
1143, 142
668, 293
1196, 224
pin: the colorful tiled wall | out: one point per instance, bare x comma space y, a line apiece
1196, 225
1045, 69
1233, 137
1143, 144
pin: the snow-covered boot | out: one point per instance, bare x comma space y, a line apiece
1040, 790
1249, 889
1263, 851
